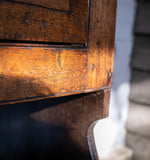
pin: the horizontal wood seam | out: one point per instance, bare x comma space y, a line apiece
54, 95
36, 5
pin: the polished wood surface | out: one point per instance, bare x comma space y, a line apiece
32, 22
61, 71
40, 72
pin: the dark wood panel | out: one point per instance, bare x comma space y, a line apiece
53, 4
24, 22
142, 25
141, 53
55, 128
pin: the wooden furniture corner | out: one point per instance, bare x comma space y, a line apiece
56, 65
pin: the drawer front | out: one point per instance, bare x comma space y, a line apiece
50, 21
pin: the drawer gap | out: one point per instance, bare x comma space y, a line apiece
14, 43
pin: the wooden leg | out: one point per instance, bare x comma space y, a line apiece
58, 128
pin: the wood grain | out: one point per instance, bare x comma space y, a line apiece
25, 22
56, 128
101, 42
30, 73
39, 72
52, 4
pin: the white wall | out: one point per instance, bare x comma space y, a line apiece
110, 133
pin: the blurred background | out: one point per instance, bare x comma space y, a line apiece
125, 135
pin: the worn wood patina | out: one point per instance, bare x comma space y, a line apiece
59, 56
